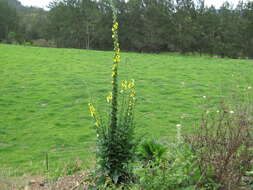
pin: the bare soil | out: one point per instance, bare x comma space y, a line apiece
74, 182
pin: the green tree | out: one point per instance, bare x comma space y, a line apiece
8, 19
72, 23
185, 24
248, 35
146, 25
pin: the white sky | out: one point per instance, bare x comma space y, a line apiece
44, 3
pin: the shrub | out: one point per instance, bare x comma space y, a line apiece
248, 179
115, 142
223, 145
178, 170
43, 43
151, 150
11, 38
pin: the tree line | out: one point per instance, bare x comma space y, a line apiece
185, 26
21, 24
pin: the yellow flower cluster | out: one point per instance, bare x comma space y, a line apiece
114, 66
109, 97
132, 98
132, 94
116, 58
92, 110
129, 86
93, 114
125, 84
115, 26
97, 123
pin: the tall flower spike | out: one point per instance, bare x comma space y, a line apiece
116, 60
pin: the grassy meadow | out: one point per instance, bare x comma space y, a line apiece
44, 94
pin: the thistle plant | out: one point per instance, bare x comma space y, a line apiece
115, 138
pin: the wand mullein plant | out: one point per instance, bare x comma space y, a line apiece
115, 140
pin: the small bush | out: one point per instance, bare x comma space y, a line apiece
223, 145
43, 43
27, 44
178, 170
151, 150
11, 38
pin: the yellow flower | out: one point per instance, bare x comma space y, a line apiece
131, 84
132, 94
92, 110
124, 84
118, 58
114, 66
113, 73
113, 36
97, 123
116, 26
109, 97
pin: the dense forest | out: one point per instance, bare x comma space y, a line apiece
184, 26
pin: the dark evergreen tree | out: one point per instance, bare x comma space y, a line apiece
8, 21
184, 26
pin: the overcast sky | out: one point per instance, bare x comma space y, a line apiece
44, 3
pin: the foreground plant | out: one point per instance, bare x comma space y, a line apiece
151, 151
115, 140
175, 169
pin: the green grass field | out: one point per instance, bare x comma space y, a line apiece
44, 94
